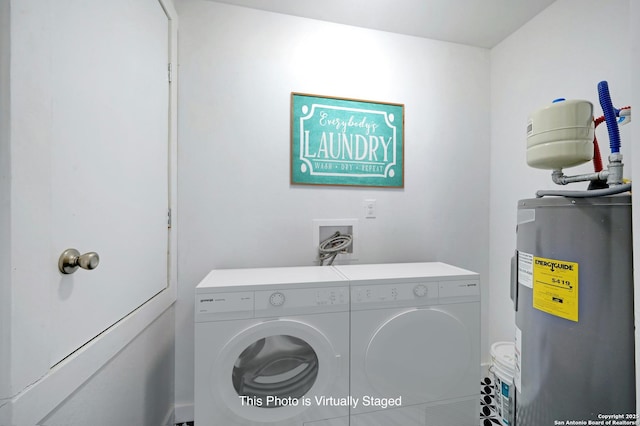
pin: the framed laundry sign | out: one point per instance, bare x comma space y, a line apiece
337, 141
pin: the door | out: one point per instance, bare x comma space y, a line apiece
109, 168
264, 374
423, 355
274, 369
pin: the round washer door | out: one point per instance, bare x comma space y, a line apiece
419, 354
263, 372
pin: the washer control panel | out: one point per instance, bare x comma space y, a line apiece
415, 294
330, 296
459, 289
284, 301
327, 296
394, 292
219, 303
293, 301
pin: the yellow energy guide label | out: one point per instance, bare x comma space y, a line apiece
555, 287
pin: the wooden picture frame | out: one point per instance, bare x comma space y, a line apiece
341, 141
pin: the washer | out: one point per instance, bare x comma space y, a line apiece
415, 344
270, 343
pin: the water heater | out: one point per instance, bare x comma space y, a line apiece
572, 277
573, 295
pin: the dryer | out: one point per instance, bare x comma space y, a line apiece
415, 345
270, 344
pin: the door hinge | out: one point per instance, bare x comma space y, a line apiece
169, 72
169, 218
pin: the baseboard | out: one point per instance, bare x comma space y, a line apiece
183, 413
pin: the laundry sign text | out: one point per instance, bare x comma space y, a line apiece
337, 141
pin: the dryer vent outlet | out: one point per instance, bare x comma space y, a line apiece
325, 228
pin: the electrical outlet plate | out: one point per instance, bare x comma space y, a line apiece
324, 228
370, 210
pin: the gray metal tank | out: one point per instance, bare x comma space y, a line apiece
575, 347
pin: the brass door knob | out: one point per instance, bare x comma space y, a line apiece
71, 259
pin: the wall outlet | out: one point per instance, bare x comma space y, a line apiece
325, 228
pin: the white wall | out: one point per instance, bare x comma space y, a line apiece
634, 19
563, 52
134, 388
237, 69
5, 220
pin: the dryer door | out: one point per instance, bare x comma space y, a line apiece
422, 355
275, 368
267, 372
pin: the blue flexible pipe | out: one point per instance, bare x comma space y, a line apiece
609, 116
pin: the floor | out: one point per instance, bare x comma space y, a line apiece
488, 414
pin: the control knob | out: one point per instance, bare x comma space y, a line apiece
277, 299
420, 290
